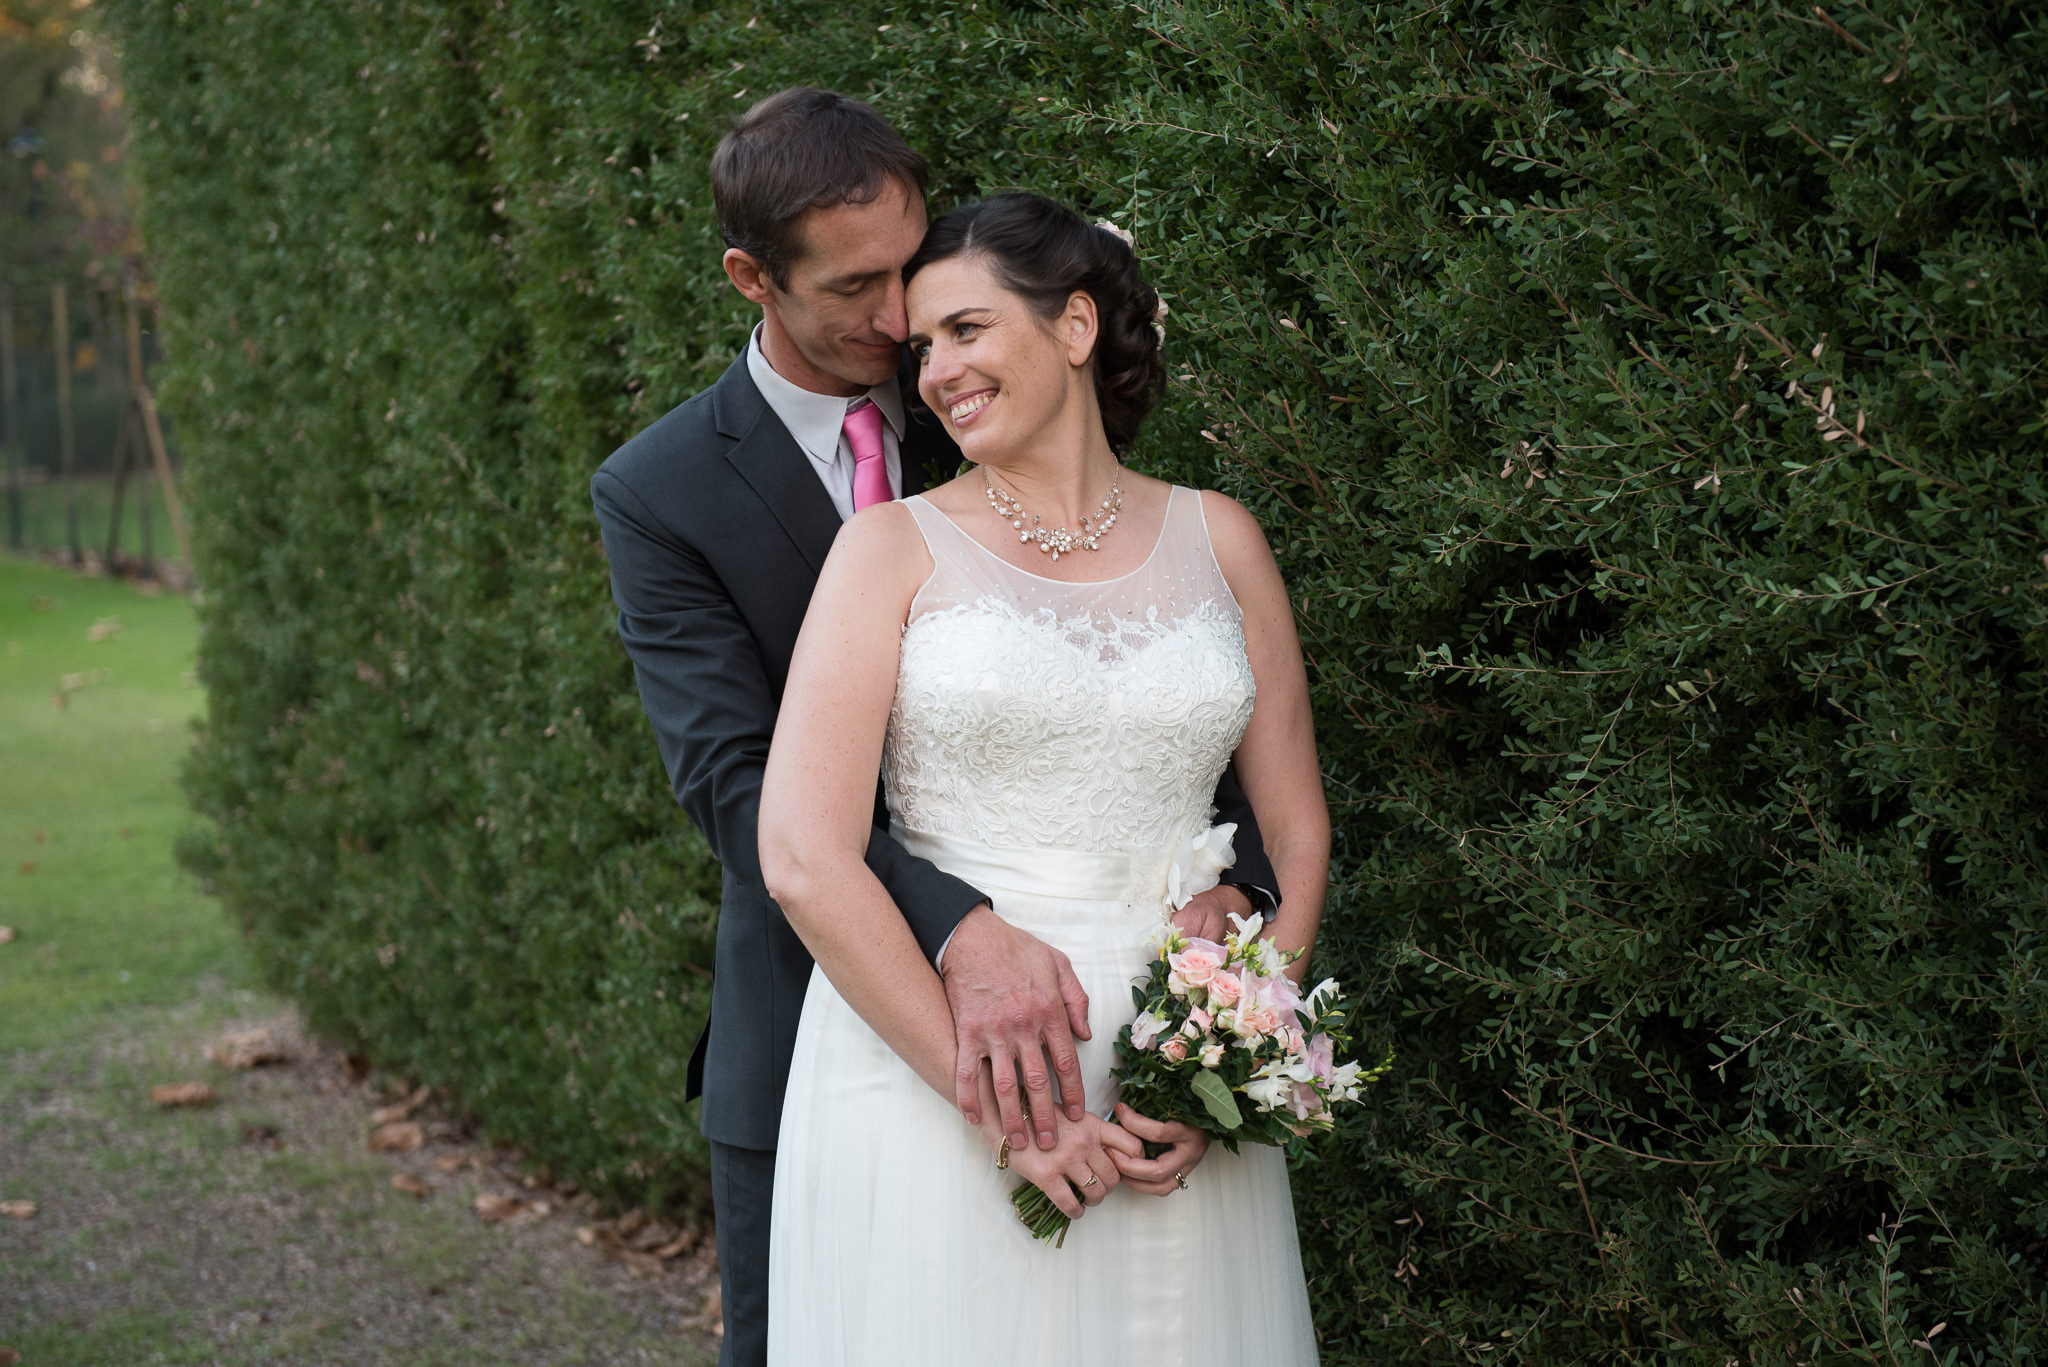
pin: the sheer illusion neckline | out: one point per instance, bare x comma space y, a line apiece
1165, 522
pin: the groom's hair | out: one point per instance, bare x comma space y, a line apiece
797, 150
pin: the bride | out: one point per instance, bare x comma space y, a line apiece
1051, 659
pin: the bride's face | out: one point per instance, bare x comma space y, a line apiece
996, 373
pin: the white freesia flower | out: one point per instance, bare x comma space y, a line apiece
1198, 862
1288, 1070
1269, 1092
1268, 959
1245, 929
1314, 1005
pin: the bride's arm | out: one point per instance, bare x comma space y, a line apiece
817, 796
817, 810
1276, 760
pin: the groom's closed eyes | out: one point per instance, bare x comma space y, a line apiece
847, 286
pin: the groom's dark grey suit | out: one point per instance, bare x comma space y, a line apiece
716, 525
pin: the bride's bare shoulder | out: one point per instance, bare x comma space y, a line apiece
1242, 552
881, 546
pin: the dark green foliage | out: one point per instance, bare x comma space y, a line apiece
1645, 401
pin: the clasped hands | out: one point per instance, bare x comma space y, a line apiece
1017, 1010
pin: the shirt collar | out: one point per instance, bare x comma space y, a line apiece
815, 420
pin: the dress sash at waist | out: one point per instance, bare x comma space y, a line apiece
1082, 875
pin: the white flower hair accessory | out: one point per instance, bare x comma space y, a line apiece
1123, 234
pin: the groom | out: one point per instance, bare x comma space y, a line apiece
716, 521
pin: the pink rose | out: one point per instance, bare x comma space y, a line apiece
1175, 1049
1225, 989
1198, 963
1212, 1054
1201, 1020
1259, 1020
1293, 1039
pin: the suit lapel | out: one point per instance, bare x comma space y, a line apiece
774, 466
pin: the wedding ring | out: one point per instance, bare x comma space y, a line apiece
1003, 1155
1180, 1179
1092, 1180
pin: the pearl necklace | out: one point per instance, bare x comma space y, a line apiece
1057, 541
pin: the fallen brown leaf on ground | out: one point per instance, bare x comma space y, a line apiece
399, 1110
454, 1162
8, 1357
496, 1209
6, 934
103, 629
400, 1137
42, 839
28, 866
675, 1247
411, 1185
18, 1210
182, 1094
638, 1242
247, 1049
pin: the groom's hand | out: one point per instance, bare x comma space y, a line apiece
1016, 1003
1207, 914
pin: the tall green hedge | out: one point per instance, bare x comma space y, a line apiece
1646, 401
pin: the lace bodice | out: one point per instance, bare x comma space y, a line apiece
1031, 713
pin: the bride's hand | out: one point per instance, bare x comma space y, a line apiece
1166, 1174
1085, 1159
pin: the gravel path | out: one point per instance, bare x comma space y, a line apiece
263, 1230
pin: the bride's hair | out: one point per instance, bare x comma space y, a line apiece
1045, 252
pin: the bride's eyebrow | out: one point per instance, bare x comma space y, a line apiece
956, 316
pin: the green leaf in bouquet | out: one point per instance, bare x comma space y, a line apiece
1215, 1094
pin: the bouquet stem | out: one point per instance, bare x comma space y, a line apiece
1046, 1221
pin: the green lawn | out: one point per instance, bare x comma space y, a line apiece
260, 1231
89, 807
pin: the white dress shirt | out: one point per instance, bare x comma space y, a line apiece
817, 421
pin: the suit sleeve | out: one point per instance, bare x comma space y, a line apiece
706, 691
1252, 874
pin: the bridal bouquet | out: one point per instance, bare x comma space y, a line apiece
1224, 1041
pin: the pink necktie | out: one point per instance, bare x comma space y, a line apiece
863, 428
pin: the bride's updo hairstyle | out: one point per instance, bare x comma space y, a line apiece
1044, 252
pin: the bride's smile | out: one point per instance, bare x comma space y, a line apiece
1009, 383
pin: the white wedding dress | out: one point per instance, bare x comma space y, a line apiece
1051, 744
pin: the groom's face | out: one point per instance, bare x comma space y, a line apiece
838, 325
